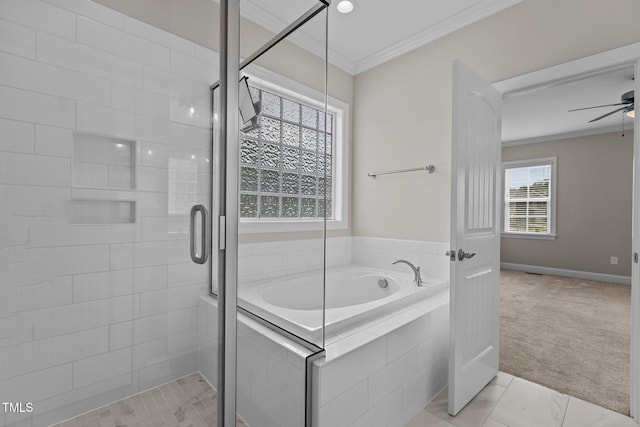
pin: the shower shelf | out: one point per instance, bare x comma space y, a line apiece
428, 168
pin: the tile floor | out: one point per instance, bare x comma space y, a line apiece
508, 401
186, 402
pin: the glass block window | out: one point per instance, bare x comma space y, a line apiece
528, 196
287, 162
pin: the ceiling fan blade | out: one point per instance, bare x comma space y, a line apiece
599, 106
608, 114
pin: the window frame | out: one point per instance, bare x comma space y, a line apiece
541, 161
277, 84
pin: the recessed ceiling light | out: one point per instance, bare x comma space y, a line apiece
344, 6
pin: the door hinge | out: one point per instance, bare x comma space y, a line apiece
635, 257
451, 254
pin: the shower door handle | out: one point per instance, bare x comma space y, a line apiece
203, 256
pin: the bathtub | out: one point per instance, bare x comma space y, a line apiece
353, 296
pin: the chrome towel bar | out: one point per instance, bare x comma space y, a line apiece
428, 168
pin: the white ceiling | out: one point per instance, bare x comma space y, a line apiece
376, 31
541, 114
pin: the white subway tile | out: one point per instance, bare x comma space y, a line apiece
95, 119
36, 76
53, 141
194, 68
99, 368
434, 347
183, 297
285, 377
57, 51
165, 228
41, 16
182, 320
341, 374
28, 106
154, 303
206, 54
151, 129
17, 137
121, 256
123, 97
120, 335
403, 339
149, 353
182, 342
152, 179
121, 309
17, 39
150, 279
38, 385
91, 10
60, 261
149, 32
391, 376
150, 328
187, 274
34, 200
57, 291
384, 413
125, 45
105, 284
345, 408
175, 86
190, 113
23, 169
273, 408
79, 345
152, 104
147, 254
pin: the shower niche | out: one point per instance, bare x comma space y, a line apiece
103, 179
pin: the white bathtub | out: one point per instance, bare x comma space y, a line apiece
353, 296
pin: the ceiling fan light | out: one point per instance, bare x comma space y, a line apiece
631, 113
344, 6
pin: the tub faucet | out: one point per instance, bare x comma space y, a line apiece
416, 271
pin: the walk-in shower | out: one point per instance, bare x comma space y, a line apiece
161, 178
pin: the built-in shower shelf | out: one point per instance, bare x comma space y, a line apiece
103, 171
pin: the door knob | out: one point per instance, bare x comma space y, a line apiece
462, 255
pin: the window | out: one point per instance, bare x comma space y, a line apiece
529, 197
291, 167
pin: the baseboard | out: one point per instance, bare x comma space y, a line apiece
600, 277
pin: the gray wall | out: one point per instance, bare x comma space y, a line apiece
402, 108
594, 196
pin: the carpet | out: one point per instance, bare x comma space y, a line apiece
570, 335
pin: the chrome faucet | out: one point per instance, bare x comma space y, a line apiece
416, 271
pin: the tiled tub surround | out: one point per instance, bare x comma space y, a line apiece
382, 373
271, 370
89, 312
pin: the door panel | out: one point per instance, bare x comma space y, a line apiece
475, 237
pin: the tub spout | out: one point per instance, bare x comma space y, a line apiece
416, 271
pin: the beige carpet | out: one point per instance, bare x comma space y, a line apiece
570, 335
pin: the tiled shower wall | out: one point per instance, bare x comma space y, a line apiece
96, 308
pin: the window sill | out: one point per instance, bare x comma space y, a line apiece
275, 226
530, 236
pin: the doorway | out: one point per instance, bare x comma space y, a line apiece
572, 334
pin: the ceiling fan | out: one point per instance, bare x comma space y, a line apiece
627, 104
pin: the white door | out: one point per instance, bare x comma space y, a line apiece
635, 266
475, 236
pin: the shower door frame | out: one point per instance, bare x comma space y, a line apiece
226, 209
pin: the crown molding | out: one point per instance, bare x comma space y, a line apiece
566, 135
252, 11
449, 25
